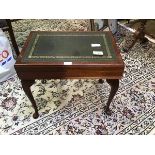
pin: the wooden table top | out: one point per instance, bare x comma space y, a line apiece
53, 51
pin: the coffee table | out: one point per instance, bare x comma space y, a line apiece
70, 55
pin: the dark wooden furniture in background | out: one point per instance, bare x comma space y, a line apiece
69, 55
5, 25
92, 25
139, 34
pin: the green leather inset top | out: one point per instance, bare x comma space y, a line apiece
69, 47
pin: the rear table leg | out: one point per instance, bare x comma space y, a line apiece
26, 87
100, 81
114, 83
44, 81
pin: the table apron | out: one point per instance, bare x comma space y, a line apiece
70, 75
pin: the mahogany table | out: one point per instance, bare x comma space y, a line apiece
69, 55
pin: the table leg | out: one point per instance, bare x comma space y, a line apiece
26, 87
43, 81
100, 81
114, 83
